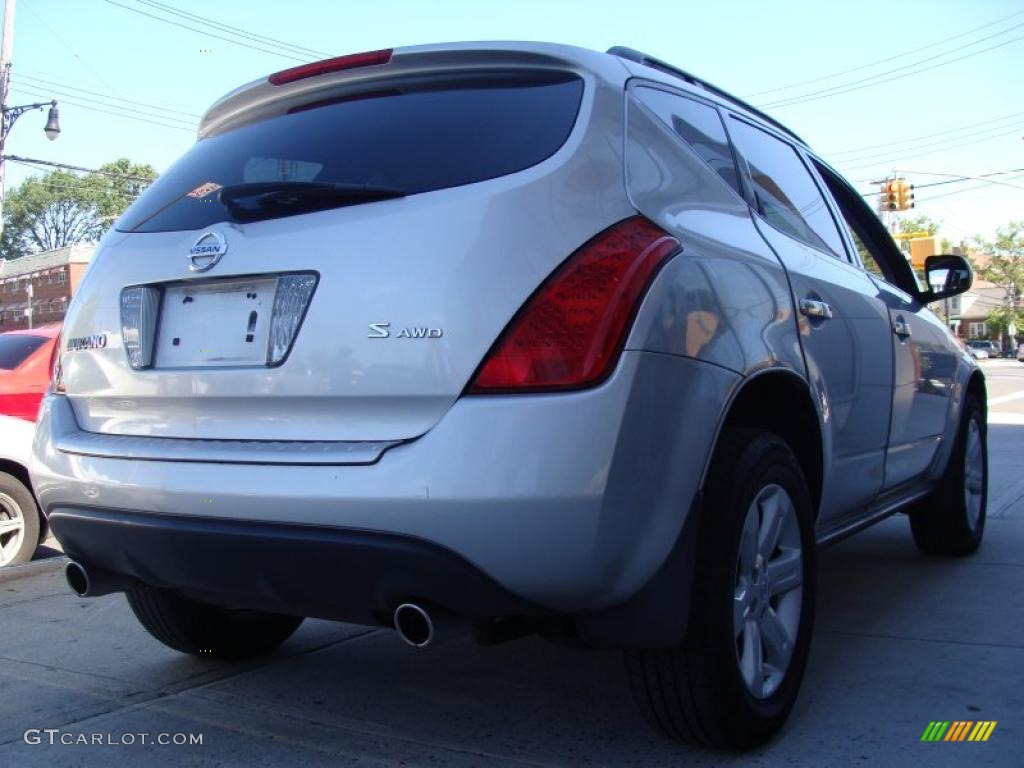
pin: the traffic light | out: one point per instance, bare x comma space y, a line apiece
896, 195
890, 195
904, 195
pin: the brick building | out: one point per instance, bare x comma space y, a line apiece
53, 277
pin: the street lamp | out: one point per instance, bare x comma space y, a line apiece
9, 116
52, 129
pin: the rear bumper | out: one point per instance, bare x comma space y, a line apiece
568, 503
330, 573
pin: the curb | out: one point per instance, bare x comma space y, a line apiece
35, 568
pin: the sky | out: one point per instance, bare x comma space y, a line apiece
929, 88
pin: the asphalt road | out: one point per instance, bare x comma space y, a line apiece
901, 640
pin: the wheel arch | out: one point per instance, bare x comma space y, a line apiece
20, 473
792, 415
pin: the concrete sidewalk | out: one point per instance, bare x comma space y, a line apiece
900, 640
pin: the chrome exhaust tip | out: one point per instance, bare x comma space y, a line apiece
90, 582
420, 626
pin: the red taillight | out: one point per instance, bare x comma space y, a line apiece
56, 373
352, 61
571, 331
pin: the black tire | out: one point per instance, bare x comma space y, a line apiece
17, 503
943, 524
207, 630
695, 693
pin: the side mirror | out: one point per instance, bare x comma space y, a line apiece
947, 275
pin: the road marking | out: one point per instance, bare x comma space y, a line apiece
1006, 398
1005, 417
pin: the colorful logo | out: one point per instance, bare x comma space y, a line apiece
959, 730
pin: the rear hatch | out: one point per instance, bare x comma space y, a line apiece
336, 255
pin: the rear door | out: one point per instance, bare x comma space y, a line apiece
843, 323
924, 356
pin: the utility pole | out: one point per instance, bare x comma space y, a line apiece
6, 52
11, 114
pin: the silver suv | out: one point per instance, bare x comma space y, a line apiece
510, 337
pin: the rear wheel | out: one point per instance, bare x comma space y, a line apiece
19, 521
733, 681
952, 521
208, 630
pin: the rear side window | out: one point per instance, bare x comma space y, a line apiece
412, 138
786, 195
16, 347
699, 126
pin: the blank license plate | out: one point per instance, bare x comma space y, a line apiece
215, 324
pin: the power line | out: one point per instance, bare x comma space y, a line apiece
963, 191
38, 94
105, 103
78, 189
43, 82
933, 147
71, 50
889, 58
71, 82
959, 178
65, 166
912, 139
958, 175
207, 33
255, 37
854, 86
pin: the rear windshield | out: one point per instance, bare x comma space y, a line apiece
16, 347
412, 138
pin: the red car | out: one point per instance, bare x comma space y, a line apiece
24, 376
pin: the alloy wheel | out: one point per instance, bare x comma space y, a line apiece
974, 474
768, 596
12, 528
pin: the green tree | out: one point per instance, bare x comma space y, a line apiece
923, 223
63, 208
999, 319
121, 182
919, 223
1003, 265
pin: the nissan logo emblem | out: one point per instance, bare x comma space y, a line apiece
207, 251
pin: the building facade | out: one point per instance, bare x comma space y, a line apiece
968, 312
35, 290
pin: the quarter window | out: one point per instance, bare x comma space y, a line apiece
699, 126
786, 195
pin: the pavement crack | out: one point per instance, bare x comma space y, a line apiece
882, 636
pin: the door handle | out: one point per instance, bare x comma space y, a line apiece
900, 327
815, 308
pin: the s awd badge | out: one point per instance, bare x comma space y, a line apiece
383, 331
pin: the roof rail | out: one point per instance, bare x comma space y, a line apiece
631, 54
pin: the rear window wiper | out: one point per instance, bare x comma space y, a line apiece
264, 199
